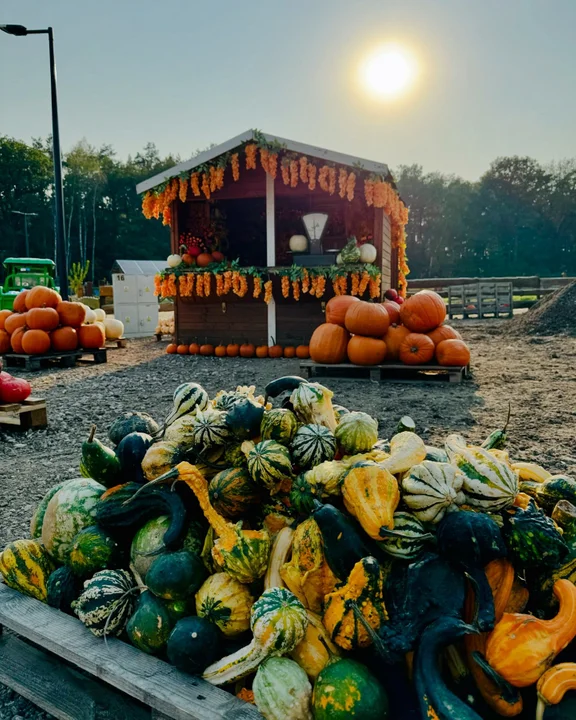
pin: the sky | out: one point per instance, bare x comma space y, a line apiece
496, 77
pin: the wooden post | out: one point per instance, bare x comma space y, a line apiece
270, 251
175, 244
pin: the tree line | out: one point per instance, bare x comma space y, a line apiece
519, 218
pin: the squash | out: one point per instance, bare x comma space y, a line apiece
62, 588
146, 541
362, 595
531, 471
40, 511
371, 495
337, 307
416, 349
187, 398
234, 457
175, 575
368, 319
244, 418
232, 492
131, 451
70, 510
564, 515
279, 424
91, 337
113, 328
406, 450
533, 539
408, 538
149, 627
431, 489
312, 445
269, 464
26, 566
72, 314
443, 332
160, 457
312, 403
278, 622
423, 311
542, 583
328, 344
346, 689
130, 422
558, 487
553, 686
209, 429
281, 549
225, 602
366, 350
302, 496
522, 647
286, 383
19, 303
316, 648
107, 602
356, 433
326, 478
350, 252
282, 690
99, 462
92, 550
194, 643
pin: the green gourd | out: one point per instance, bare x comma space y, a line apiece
150, 625
279, 424
312, 445
269, 463
282, 690
193, 644
356, 433
26, 566
130, 422
92, 549
99, 462
188, 398
107, 602
233, 492
175, 575
63, 587
533, 539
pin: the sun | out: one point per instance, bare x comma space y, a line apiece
388, 72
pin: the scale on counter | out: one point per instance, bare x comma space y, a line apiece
314, 224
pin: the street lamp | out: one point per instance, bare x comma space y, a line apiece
61, 265
26, 216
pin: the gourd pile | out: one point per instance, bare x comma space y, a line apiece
41, 322
276, 546
409, 331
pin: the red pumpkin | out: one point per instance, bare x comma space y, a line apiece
423, 312
453, 352
15, 321
204, 259
217, 256
337, 307
64, 339
289, 351
416, 349
366, 350
393, 339
16, 339
194, 251
19, 304
444, 332
41, 296
13, 390
4, 342
35, 342
42, 319
91, 337
328, 343
275, 350
71, 313
171, 348
3, 315
368, 319
393, 310
220, 350
391, 294
232, 350
247, 350
303, 352
206, 349
194, 348
262, 351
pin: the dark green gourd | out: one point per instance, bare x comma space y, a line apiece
194, 644
176, 575
150, 625
99, 462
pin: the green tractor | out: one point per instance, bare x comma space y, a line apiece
23, 273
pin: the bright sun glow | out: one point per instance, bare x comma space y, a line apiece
388, 72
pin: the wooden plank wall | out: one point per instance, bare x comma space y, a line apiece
242, 320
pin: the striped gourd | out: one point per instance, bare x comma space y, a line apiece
488, 483
431, 488
233, 492
181, 432
312, 445
160, 457
107, 601
356, 433
209, 429
38, 517
25, 566
279, 424
269, 463
187, 398
226, 399
408, 538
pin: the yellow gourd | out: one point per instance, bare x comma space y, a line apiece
311, 653
371, 495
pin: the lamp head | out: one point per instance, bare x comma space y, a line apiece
14, 29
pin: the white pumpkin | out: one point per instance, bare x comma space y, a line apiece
367, 253
174, 260
101, 326
339, 260
298, 243
114, 328
100, 315
90, 316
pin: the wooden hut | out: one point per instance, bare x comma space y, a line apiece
245, 200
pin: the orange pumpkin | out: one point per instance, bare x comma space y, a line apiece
182, 349
337, 307
14, 321
206, 349
232, 350
444, 332
289, 351
247, 350
19, 304
220, 350
393, 339
42, 319
204, 259
368, 319
64, 339
194, 348
187, 259
4, 342
3, 315
453, 352
71, 313
41, 296
171, 348
91, 337
303, 352
423, 312
416, 349
393, 310
35, 342
328, 343
366, 350
275, 350
262, 351
16, 339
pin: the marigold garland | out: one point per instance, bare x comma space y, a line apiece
207, 284
167, 216
304, 169
342, 179
195, 184
264, 157
363, 283
273, 165
285, 170
257, 286
296, 289
336, 286
305, 280
148, 202
355, 284
183, 285
171, 286
219, 178
219, 284
183, 189
311, 168
344, 285
332, 180
285, 286
320, 286
313, 285
251, 157
243, 286
236, 282
213, 184
268, 291
227, 282
293, 173
199, 285
375, 287
323, 178
350, 185
157, 284
205, 186
235, 166
369, 192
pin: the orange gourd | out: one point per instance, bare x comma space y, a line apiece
19, 304
522, 647
42, 319
518, 597
91, 337
4, 342
444, 332
206, 349
187, 259
220, 350
41, 296
64, 339
416, 349
232, 350
274, 350
289, 351
14, 321
3, 315
328, 343
247, 350
423, 311
262, 351
303, 352
393, 340
368, 319
204, 259
71, 313
453, 352
182, 349
171, 348
337, 307
194, 348
16, 339
393, 310
366, 350
553, 685
35, 342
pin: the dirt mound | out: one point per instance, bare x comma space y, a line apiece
554, 314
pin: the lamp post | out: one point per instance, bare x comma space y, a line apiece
61, 264
26, 216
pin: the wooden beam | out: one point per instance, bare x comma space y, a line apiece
270, 251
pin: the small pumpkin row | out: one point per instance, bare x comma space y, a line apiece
246, 350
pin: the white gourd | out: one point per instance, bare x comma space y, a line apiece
431, 489
100, 315
114, 328
90, 316
173, 260
367, 253
298, 243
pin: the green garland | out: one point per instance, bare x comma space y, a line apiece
294, 272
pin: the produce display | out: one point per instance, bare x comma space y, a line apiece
410, 331
276, 546
13, 389
41, 322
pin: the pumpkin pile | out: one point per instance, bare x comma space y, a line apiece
244, 350
276, 546
41, 322
408, 331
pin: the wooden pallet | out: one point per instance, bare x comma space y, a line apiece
73, 675
31, 363
116, 344
391, 372
26, 415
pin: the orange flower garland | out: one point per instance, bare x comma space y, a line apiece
369, 192
344, 284
235, 166
236, 282
194, 184
199, 285
273, 165
336, 286
267, 291
183, 285
320, 286
213, 185
285, 286
157, 284
227, 282
355, 283
313, 285
375, 287
296, 289
332, 180
363, 283
183, 190
243, 286
171, 286
285, 170
205, 186
251, 157
304, 169
311, 176
207, 284
148, 202
264, 157
350, 185
323, 178
257, 286
305, 280
293, 173
342, 179
219, 178
219, 284
167, 216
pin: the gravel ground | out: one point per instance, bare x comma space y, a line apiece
535, 374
